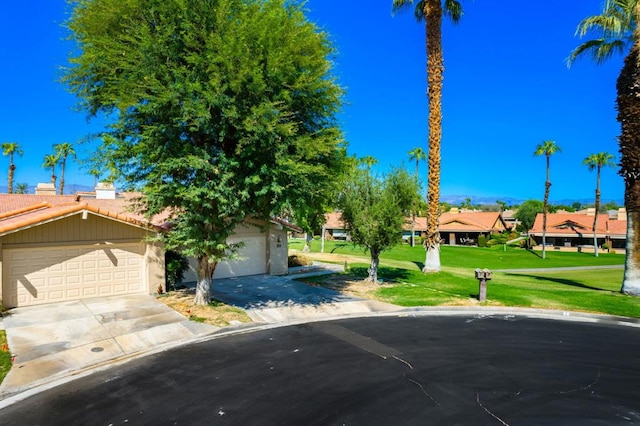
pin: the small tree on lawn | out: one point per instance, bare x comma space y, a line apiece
373, 209
222, 111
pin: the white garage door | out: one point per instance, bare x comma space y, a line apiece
253, 259
54, 274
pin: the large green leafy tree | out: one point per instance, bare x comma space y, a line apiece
63, 151
373, 210
11, 149
527, 212
222, 111
615, 31
546, 148
431, 12
597, 162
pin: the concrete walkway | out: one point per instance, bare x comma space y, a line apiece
59, 340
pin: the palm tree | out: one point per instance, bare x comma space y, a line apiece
431, 11
62, 151
11, 149
22, 188
597, 162
616, 30
368, 161
417, 155
51, 161
546, 148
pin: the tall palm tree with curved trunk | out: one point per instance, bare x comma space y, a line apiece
63, 151
431, 12
546, 148
416, 154
597, 162
11, 149
616, 30
50, 162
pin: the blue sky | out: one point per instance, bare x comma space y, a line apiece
507, 88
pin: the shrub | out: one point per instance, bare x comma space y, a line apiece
482, 241
298, 260
493, 242
175, 266
605, 246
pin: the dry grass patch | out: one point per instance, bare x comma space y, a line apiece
215, 313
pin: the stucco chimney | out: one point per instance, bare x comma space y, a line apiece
105, 191
454, 210
622, 213
591, 211
45, 189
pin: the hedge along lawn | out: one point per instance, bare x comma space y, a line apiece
594, 290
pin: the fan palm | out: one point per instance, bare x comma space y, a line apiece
546, 148
50, 162
431, 12
62, 151
11, 149
597, 162
615, 30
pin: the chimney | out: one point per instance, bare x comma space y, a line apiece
622, 213
454, 210
591, 211
45, 189
105, 191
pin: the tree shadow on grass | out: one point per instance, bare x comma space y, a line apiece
534, 253
420, 265
385, 273
561, 281
339, 246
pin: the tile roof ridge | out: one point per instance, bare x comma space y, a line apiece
27, 209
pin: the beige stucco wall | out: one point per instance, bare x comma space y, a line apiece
278, 251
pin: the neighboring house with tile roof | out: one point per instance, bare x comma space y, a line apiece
575, 230
456, 228
67, 247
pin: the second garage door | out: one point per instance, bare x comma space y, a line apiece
253, 259
34, 276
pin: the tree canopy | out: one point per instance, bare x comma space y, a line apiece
374, 209
527, 212
220, 110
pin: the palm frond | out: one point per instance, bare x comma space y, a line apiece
453, 10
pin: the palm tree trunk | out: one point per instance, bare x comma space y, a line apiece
12, 170
435, 68
595, 219
62, 167
205, 277
628, 102
545, 205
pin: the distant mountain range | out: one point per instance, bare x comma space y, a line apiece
72, 188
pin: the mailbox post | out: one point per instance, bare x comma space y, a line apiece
482, 275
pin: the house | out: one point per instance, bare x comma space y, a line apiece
573, 231
464, 228
57, 248
455, 227
334, 228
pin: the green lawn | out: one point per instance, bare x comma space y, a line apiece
596, 291
474, 257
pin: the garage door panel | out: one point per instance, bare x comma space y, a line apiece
52, 274
253, 258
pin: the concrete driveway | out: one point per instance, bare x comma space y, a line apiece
62, 339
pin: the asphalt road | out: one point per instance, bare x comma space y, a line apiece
448, 370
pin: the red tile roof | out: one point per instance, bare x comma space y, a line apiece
578, 225
19, 211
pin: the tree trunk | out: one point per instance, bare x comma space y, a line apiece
62, 167
373, 268
308, 236
413, 228
628, 103
205, 277
435, 68
12, 170
547, 186
595, 219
